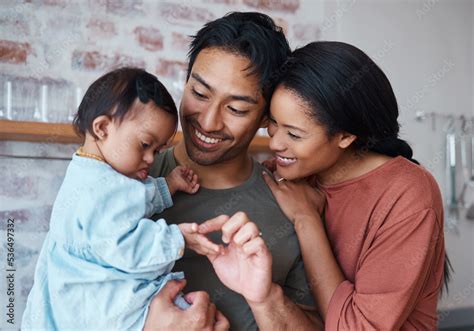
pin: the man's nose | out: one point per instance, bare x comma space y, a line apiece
211, 119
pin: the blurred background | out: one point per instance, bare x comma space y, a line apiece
51, 50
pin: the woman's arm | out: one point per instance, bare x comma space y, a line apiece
324, 273
390, 276
303, 205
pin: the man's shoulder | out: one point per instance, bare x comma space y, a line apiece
163, 164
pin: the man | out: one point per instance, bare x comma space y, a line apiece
233, 63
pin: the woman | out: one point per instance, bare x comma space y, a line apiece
372, 234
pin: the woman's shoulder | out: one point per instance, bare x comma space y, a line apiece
415, 181
410, 189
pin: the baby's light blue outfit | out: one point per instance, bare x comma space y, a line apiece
103, 260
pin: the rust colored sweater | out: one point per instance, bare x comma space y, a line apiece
386, 231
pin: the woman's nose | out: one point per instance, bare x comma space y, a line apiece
276, 142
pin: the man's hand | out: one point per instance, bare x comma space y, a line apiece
198, 242
245, 265
163, 314
182, 179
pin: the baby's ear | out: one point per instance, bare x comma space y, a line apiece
100, 127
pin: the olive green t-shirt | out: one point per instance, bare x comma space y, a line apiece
256, 200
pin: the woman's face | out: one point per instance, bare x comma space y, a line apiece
301, 145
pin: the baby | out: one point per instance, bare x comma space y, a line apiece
103, 260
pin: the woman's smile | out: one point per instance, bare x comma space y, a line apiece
283, 161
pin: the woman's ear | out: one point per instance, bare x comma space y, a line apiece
346, 139
100, 126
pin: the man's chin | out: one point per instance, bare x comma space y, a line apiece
201, 157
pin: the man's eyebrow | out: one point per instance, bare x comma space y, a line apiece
202, 81
244, 98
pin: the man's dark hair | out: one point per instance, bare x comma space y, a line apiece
249, 34
114, 93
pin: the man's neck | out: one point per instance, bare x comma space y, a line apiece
223, 175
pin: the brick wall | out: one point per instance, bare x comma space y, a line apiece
68, 44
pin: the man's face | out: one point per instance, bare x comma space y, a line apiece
222, 107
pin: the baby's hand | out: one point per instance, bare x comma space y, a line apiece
182, 179
196, 241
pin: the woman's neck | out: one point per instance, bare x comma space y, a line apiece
350, 165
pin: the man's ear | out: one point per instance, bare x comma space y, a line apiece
100, 126
264, 121
346, 139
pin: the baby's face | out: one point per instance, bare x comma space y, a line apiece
130, 146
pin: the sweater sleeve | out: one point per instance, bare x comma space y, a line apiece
389, 277
119, 235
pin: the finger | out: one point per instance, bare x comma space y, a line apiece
255, 246
207, 244
214, 224
188, 228
190, 175
194, 179
246, 233
270, 164
278, 179
270, 182
199, 300
172, 288
211, 315
233, 225
222, 323
181, 169
195, 188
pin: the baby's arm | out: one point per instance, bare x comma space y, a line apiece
182, 179
119, 234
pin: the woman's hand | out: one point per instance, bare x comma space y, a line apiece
270, 164
297, 199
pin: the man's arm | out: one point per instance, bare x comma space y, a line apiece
246, 268
278, 312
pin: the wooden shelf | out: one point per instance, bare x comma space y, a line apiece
60, 133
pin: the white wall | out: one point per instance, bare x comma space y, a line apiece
426, 50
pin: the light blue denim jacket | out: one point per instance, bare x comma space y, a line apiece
103, 260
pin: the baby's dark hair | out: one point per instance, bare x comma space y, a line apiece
114, 93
